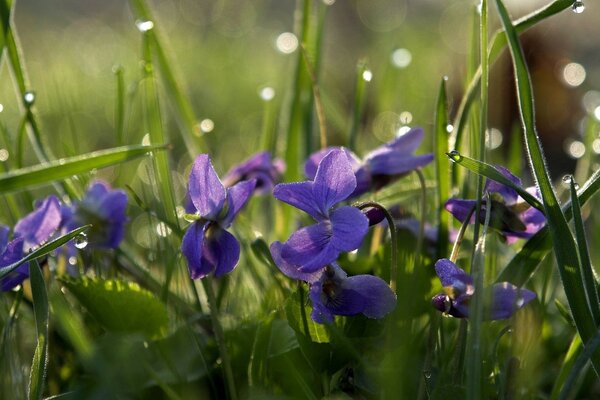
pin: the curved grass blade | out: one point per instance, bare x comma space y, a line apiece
564, 243
42, 314
5, 11
498, 42
42, 250
489, 171
581, 361
574, 351
441, 169
45, 173
591, 285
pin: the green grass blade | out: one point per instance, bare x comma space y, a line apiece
5, 11
441, 169
567, 365
587, 271
489, 171
359, 104
180, 103
564, 244
42, 315
42, 250
119, 105
41, 174
590, 347
498, 42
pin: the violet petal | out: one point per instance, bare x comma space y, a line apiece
334, 181
290, 270
310, 247
299, 195
222, 250
378, 297
349, 227
237, 197
39, 225
205, 188
192, 245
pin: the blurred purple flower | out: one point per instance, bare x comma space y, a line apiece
30, 232
336, 231
505, 298
510, 214
332, 292
206, 245
261, 167
382, 165
102, 207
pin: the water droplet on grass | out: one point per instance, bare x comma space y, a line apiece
144, 25
367, 75
455, 156
578, 7
81, 241
567, 179
4, 154
266, 93
29, 98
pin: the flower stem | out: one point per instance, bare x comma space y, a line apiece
421, 234
459, 237
214, 314
392, 227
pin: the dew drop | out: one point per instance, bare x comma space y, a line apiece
4, 154
81, 241
29, 98
449, 128
144, 25
427, 374
367, 75
1, 107
455, 156
578, 7
72, 260
266, 93
568, 179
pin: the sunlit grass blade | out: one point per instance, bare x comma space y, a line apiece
180, 103
567, 365
489, 171
119, 105
41, 174
587, 271
42, 250
441, 169
564, 244
590, 347
360, 86
42, 315
498, 42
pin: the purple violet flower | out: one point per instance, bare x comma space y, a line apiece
382, 165
105, 209
332, 292
336, 231
505, 298
261, 167
30, 232
206, 245
510, 214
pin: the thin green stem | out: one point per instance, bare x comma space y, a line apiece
460, 235
421, 233
220, 336
393, 237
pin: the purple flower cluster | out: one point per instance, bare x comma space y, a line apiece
509, 213
101, 206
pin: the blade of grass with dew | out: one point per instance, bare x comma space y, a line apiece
41, 174
42, 250
41, 313
524, 263
360, 86
563, 242
180, 103
498, 42
489, 171
589, 348
119, 105
587, 271
441, 169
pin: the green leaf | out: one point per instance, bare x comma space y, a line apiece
42, 314
441, 169
282, 338
489, 171
120, 306
298, 315
45, 173
42, 250
564, 243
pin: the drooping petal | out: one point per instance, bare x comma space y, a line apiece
451, 276
510, 195
192, 246
290, 270
334, 180
205, 188
237, 197
312, 163
299, 195
310, 247
379, 299
408, 142
222, 250
13, 252
349, 226
461, 209
39, 225
390, 162
14, 278
508, 298
331, 296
